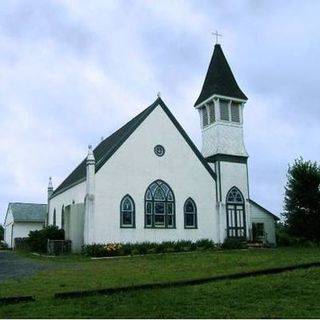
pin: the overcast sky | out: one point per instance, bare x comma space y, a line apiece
73, 71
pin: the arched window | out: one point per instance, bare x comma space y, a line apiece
159, 206
236, 219
190, 214
127, 212
54, 218
62, 217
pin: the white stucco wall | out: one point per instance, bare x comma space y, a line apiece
260, 216
74, 224
224, 138
19, 230
75, 194
135, 166
232, 174
22, 229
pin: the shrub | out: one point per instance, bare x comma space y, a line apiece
230, 243
205, 243
37, 240
113, 249
285, 239
181, 245
117, 249
142, 247
3, 245
94, 250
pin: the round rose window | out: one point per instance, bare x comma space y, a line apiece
159, 150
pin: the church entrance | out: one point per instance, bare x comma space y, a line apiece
236, 220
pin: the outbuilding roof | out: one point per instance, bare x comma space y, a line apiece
219, 79
28, 212
110, 145
264, 209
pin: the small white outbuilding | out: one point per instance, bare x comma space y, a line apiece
21, 218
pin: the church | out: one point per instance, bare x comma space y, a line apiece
149, 182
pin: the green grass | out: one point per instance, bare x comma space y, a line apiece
291, 294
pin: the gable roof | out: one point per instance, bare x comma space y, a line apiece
28, 212
263, 209
219, 79
110, 145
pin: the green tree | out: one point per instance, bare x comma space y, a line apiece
1, 232
37, 240
302, 200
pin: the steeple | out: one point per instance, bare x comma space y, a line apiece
219, 79
220, 105
49, 194
89, 199
50, 187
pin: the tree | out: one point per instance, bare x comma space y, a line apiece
302, 200
1, 232
37, 239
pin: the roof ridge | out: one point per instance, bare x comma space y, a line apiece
106, 148
43, 204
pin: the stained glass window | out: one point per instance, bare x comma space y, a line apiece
127, 212
190, 214
159, 206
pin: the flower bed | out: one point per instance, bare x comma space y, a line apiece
122, 249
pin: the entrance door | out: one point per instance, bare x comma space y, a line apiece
236, 219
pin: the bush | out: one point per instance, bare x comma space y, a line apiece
113, 249
205, 243
3, 245
284, 239
117, 249
38, 239
94, 250
231, 243
182, 245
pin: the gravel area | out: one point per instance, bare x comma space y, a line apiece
14, 266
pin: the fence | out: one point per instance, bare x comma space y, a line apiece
21, 244
57, 247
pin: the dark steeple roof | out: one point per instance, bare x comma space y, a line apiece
219, 79
110, 145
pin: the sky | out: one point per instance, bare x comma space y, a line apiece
74, 71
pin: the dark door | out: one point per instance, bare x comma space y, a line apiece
236, 219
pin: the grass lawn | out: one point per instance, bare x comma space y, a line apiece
291, 294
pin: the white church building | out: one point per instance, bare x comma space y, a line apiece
149, 182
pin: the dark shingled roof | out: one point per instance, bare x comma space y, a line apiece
28, 211
111, 144
219, 79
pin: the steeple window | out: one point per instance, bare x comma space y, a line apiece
205, 119
235, 112
210, 106
224, 110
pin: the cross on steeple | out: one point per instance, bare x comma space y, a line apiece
217, 36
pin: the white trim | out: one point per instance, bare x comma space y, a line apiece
214, 96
